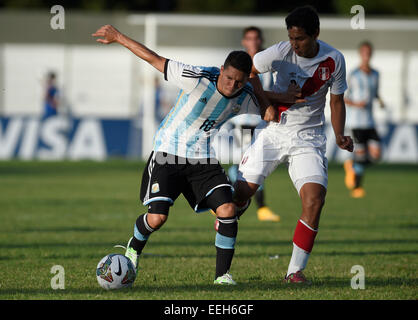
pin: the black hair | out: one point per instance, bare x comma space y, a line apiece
239, 60
51, 75
253, 28
304, 17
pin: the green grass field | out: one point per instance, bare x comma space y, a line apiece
72, 214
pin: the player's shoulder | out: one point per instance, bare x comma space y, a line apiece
191, 71
375, 72
328, 50
248, 90
355, 72
281, 48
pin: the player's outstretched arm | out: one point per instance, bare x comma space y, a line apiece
111, 34
338, 122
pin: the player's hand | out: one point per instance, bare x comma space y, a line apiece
344, 142
294, 93
382, 104
109, 34
271, 114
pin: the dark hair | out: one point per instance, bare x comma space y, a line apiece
51, 75
239, 60
304, 17
253, 28
367, 44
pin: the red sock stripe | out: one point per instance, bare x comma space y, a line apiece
304, 237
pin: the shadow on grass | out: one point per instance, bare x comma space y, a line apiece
200, 243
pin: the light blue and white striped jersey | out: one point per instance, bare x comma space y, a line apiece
200, 110
362, 86
266, 80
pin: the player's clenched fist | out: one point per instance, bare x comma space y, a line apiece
109, 34
271, 114
345, 142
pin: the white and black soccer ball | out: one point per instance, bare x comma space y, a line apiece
115, 271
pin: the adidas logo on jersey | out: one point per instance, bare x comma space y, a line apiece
203, 100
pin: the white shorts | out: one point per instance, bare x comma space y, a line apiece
302, 148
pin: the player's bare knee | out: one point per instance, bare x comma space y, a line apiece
156, 220
375, 154
313, 198
227, 210
314, 203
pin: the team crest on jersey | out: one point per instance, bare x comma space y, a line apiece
323, 73
155, 188
236, 108
203, 100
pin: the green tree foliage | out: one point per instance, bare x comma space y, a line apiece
341, 7
379, 7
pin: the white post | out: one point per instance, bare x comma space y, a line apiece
2, 81
148, 76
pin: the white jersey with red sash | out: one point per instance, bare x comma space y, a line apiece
314, 75
298, 139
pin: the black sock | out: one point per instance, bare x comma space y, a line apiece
259, 198
223, 261
225, 243
141, 233
358, 181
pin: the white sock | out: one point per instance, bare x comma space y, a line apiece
298, 261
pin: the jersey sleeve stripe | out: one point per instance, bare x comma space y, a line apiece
252, 95
165, 69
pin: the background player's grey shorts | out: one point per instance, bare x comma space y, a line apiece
195, 180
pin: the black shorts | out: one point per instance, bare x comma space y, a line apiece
363, 136
165, 180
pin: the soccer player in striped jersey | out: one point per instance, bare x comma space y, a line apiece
182, 160
363, 89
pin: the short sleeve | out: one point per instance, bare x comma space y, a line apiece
267, 80
184, 76
264, 60
349, 92
339, 83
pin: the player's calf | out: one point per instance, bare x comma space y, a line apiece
374, 152
145, 225
313, 199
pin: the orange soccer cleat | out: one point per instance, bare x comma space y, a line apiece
358, 193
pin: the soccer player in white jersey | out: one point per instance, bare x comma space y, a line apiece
363, 89
295, 134
252, 41
183, 160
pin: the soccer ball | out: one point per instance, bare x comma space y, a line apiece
115, 271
